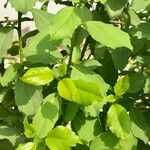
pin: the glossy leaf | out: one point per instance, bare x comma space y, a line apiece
101, 33
38, 76
29, 128
61, 138
79, 91
118, 121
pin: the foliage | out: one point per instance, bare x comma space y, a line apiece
82, 81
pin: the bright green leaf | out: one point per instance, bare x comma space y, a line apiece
118, 121
38, 76
23, 5
103, 32
61, 138
79, 91
29, 128
27, 146
122, 85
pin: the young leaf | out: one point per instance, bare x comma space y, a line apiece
61, 138
79, 91
27, 146
118, 121
23, 5
46, 116
10, 74
28, 98
38, 76
122, 85
101, 33
6, 34
29, 128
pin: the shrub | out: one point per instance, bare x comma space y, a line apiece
82, 81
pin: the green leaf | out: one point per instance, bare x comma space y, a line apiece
27, 146
70, 111
120, 57
10, 133
38, 76
134, 85
101, 33
115, 7
29, 128
147, 86
140, 4
122, 85
106, 141
42, 19
46, 116
135, 20
10, 74
84, 73
28, 98
102, 1
130, 142
61, 138
140, 127
42, 50
23, 5
87, 128
142, 31
118, 121
79, 91
60, 70
6, 34
66, 21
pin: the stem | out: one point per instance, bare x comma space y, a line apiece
85, 47
73, 41
70, 58
20, 37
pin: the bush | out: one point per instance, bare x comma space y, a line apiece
82, 81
